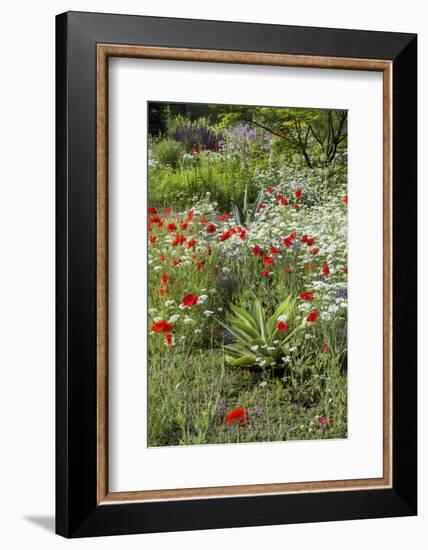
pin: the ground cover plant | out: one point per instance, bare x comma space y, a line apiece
247, 274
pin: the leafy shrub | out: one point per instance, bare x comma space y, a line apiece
168, 152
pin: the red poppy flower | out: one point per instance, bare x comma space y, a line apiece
226, 235
243, 235
154, 219
270, 190
268, 260
189, 300
261, 206
191, 243
288, 241
278, 198
176, 262
312, 317
200, 265
152, 210
160, 224
325, 270
315, 251
324, 422
304, 238
307, 295
164, 278
184, 226
239, 415
284, 201
257, 251
310, 266
281, 326
168, 338
167, 212
162, 326
163, 258
203, 220
211, 228
153, 239
298, 193
222, 217
266, 272
274, 250
288, 270
179, 239
325, 347
345, 199
171, 227
310, 242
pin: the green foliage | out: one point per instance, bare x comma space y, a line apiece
192, 396
168, 152
242, 216
225, 179
258, 340
158, 119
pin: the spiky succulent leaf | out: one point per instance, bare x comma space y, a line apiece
239, 334
256, 205
243, 361
243, 315
238, 214
259, 317
245, 327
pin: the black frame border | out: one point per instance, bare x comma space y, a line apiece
77, 512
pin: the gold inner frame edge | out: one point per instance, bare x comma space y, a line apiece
104, 52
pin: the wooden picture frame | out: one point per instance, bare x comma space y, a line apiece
85, 506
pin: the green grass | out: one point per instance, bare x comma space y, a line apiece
190, 396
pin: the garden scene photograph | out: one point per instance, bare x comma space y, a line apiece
247, 274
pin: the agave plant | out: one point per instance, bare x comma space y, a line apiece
259, 342
241, 214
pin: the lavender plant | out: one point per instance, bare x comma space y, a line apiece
195, 134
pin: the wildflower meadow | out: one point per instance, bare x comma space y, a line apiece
247, 274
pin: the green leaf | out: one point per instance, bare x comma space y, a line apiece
245, 327
259, 317
256, 206
237, 350
258, 342
244, 361
238, 214
243, 315
240, 335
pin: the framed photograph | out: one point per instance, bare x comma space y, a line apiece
236, 274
